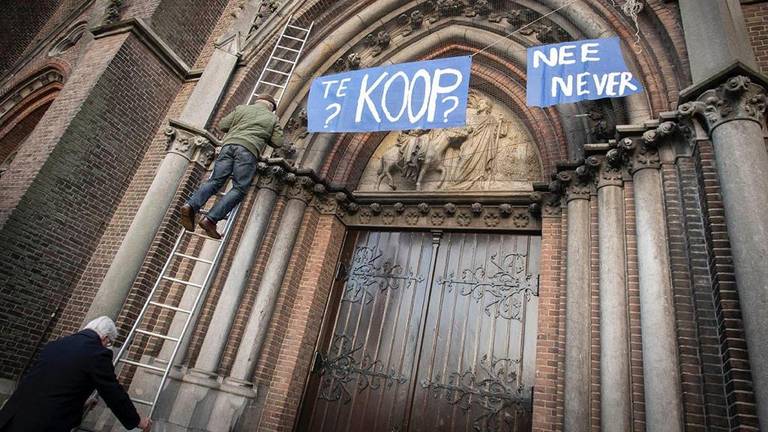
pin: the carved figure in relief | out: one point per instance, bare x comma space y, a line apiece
419, 152
493, 152
476, 160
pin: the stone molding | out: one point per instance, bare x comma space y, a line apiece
195, 145
518, 212
46, 77
737, 99
449, 215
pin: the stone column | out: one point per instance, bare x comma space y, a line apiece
186, 143
280, 255
130, 256
577, 308
661, 373
240, 271
734, 114
615, 401
716, 37
298, 195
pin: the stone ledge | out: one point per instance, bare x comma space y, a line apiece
691, 93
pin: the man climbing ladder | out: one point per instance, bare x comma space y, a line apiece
248, 129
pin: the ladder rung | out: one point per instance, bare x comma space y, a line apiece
284, 60
158, 335
163, 305
298, 28
141, 402
294, 38
272, 84
197, 234
142, 365
205, 212
277, 71
289, 49
194, 258
182, 282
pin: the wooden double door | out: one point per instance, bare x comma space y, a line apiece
428, 332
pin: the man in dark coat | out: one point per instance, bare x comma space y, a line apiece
51, 397
249, 128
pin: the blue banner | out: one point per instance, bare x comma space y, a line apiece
420, 95
574, 71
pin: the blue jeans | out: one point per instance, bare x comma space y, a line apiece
234, 161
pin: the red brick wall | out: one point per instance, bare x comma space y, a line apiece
633, 299
20, 21
307, 302
736, 374
185, 26
756, 17
67, 180
550, 344
594, 287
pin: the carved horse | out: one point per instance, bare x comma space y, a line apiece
424, 155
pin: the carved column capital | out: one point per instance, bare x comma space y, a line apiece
194, 145
737, 99
578, 183
643, 153
611, 171
300, 188
269, 176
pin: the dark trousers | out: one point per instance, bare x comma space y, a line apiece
234, 161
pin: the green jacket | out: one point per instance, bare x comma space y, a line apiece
252, 126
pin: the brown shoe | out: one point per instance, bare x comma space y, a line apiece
187, 217
209, 227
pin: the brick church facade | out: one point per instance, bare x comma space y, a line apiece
590, 266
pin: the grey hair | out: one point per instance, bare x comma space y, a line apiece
104, 326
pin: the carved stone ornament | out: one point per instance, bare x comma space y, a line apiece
552, 206
576, 186
738, 99
269, 176
610, 175
193, 144
501, 216
379, 42
645, 154
301, 189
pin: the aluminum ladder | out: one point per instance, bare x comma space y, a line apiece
273, 80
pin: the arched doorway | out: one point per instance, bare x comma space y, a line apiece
432, 321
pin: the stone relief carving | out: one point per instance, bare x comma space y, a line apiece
493, 152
